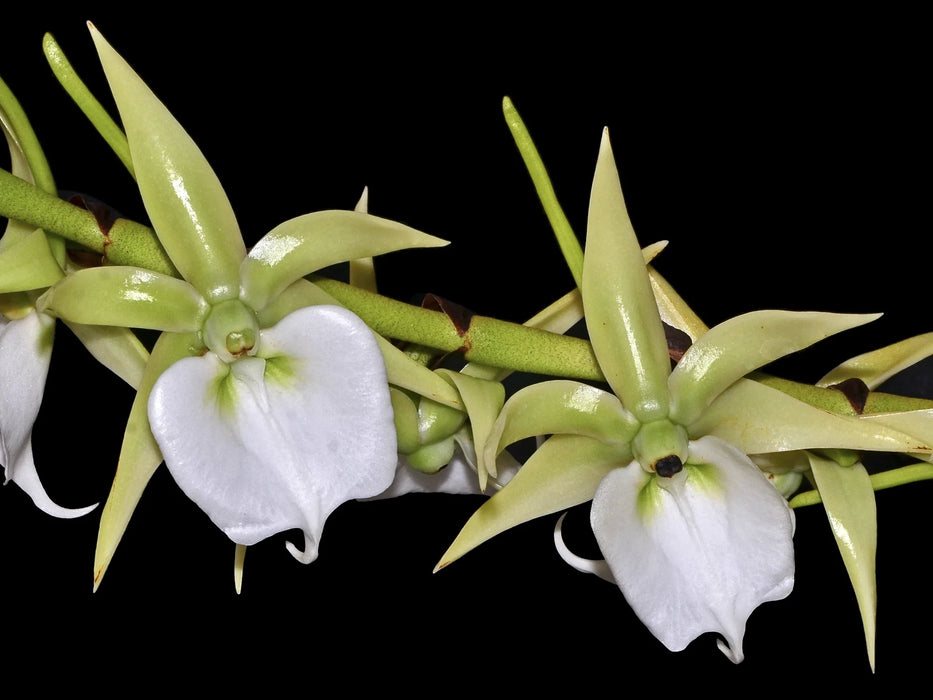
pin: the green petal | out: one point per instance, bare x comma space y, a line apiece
735, 347
305, 244
759, 419
621, 312
565, 471
876, 367
184, 199
139, 455
850, 506
130, 297
561, 406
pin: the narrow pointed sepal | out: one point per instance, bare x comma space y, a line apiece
699, 551
183, 196
622, 316
849, 500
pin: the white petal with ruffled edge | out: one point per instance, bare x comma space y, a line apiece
25, 353
271, 443
699, 551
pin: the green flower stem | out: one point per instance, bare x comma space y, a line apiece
125, 243
483, 340
921, 471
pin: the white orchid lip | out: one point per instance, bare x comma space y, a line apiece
697, 552
277, 440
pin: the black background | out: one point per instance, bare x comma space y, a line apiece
783, 156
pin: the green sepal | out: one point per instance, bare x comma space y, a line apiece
735, 347
184, 199
307, 243
563, 472
28, 264
849, 500
621, 312
131, 297
758, 419
139, 454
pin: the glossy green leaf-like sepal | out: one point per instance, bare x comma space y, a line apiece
183, 197
307, 243
139, 454
126, 296
849, 500
621, 312
744, 343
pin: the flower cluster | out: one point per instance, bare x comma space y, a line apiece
273, 394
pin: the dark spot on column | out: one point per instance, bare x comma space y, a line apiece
668, 466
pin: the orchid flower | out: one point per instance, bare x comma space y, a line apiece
269, 412
693, 533
29, 263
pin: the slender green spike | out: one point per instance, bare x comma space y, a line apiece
566, 238
16, 121
109, 130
